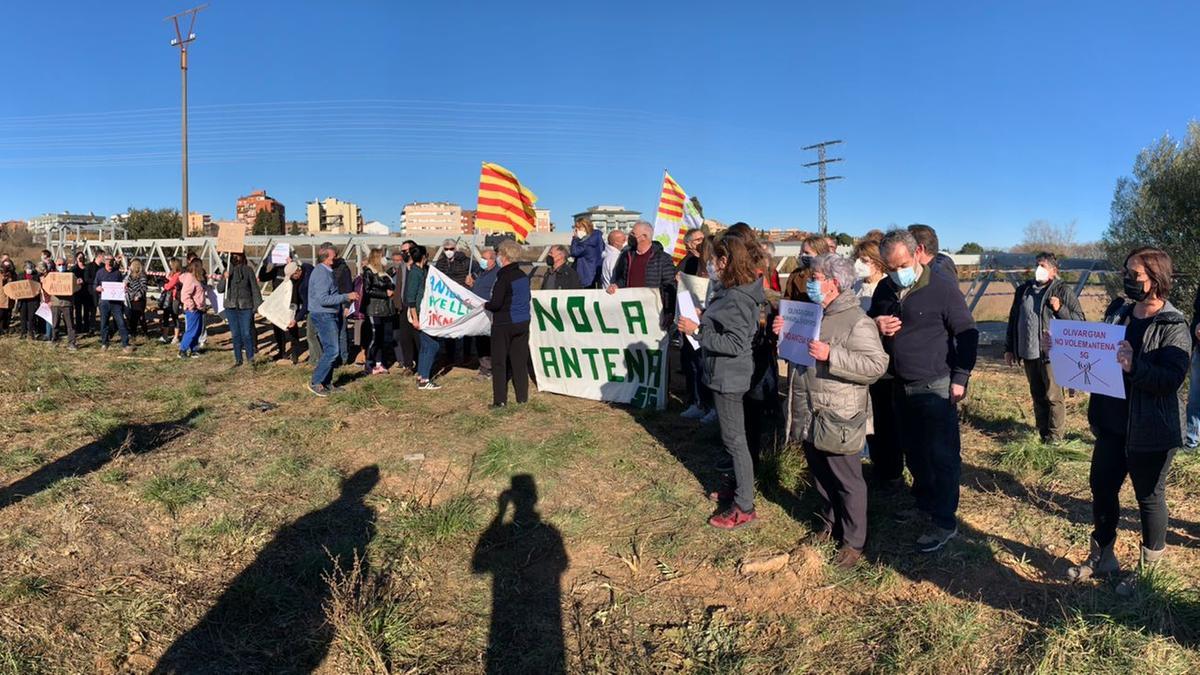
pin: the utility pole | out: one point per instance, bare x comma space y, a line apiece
820, 180
182, 39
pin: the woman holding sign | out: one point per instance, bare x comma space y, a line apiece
726, 334
831, 403
1137, 436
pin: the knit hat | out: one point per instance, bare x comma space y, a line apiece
290, 269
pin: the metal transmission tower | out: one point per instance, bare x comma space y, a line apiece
182, 39
821, 179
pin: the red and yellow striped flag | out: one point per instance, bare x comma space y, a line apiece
504, 204
676, 215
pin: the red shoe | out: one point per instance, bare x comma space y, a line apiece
732, 518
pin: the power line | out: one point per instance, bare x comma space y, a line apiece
820, 180
182, 40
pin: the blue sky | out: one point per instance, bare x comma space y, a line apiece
973, 117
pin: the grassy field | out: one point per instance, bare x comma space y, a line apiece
178, 514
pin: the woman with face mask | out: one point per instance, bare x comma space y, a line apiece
868, 271
1137, 436
798, 279
830, 405
587, 248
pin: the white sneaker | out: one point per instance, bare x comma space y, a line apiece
709, 417
693, 413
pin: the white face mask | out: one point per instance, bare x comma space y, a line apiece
862, 269
580, 233
1042, 275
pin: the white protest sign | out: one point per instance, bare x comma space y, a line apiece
112, 291
450, 310
216, 301
687, 309
590, 344
697, 286
277, 307
43, 311
1083, 356
801, 325
280, 254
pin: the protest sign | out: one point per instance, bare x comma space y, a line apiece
591, 344
280, 254
450, 310
801, 325
687, 310
231, 238
22, 290
1083, 356
112, 291
697, 286
216, 301
61, 284
277, 307
43, 311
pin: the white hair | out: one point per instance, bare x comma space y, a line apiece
835, 267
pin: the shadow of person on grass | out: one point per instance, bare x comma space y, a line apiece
271, 617
127, 439
526, 559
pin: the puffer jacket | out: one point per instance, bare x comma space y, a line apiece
1156, 415
660, 274
587, 253
727, 330
840, 384
375, 289
240, 286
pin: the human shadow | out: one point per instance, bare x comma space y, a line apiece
271, 617
526, 559
127, 439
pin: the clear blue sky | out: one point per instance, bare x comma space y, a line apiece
973, 117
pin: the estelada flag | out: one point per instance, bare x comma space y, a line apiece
504, 204
675, 216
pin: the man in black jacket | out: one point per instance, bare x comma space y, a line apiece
1035, 303
559, 275
406, 335
457, 266
924, 321
644, 264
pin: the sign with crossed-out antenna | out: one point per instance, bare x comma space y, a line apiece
1083, 356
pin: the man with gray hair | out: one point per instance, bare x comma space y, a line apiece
644, 264
931, 338
559, 275
612, 252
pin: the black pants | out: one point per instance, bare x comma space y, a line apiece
887, 454
5, 318
756, 412
281, 342
168, 321
839, 481
84, 311
381, 341
1148, 473
483, 346
510, 356
29, 317
135, 313
929, 427
406, 341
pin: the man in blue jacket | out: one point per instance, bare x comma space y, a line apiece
325, 304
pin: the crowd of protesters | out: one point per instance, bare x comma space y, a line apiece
893, 359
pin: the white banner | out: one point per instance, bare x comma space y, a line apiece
590, 344
450, 310
277, 307
1084, 356
801, 325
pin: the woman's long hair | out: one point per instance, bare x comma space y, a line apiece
374, 261
741, 261
135, 269
197, 270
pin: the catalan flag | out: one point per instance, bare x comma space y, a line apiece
504, 204
676, 215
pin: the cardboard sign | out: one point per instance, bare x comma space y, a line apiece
1083, 356
231, 238
112, 291
60, 283
801, 325
22, 290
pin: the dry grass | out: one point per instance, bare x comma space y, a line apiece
149, 499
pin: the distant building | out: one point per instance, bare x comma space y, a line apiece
334, 216
249, 206
542, 224
715, 226
425, 217
376, 227
40, 225
468, 221
606, 218
198, 224
8, 227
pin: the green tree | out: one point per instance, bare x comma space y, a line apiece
267, 222
970, 248
154, 224
843, 239
1159, 205
296, 227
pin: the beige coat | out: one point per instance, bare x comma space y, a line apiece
856, 360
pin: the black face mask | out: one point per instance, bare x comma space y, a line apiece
550, 260
1134, 290
406, 256
805, 261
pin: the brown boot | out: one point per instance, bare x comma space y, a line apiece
847, 557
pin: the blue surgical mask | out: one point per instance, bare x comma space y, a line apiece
904, 277
813, 288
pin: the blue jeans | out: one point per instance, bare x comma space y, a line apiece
928, 422
191, 332
327, 328
425, 358
241, 326
116, 310
1193, 403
